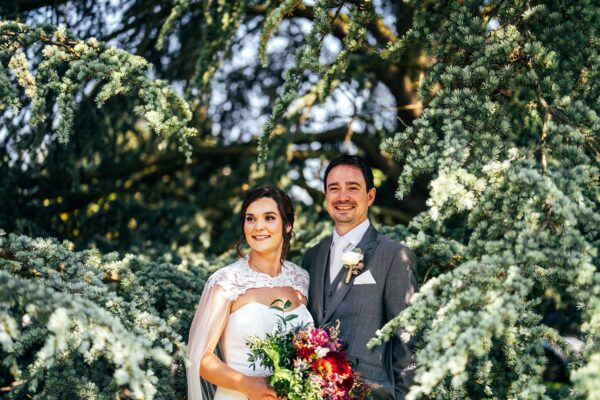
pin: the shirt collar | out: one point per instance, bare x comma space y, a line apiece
355, 235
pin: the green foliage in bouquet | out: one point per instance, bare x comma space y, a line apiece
274, 351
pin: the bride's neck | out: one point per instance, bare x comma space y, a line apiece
267, 263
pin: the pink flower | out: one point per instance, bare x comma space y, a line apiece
319, 337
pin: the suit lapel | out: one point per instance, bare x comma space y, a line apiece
319, 281
367, 244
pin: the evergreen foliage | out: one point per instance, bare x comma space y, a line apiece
116, 186
111, 324
307, 57
65, 68
495, 165
510, 134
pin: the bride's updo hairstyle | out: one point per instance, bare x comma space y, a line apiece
286, 210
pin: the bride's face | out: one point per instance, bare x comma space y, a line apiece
263, 226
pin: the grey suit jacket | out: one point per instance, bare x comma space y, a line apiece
362, 309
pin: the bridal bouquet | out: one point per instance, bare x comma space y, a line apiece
308, 363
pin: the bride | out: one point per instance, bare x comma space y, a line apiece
235, 302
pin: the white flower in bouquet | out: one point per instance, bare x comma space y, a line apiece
321, 352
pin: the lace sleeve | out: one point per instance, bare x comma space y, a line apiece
209, 321
299, 278
229, 280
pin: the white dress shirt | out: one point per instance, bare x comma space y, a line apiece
342, 244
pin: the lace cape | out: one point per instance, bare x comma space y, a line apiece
212, 313
238, 277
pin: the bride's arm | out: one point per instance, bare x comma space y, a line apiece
207, 327
216, 311
217, 372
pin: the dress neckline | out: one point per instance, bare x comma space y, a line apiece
264, 274
265, 306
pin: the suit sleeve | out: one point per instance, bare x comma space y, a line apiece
305, 260
400, 285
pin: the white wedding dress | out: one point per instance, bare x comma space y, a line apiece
253, 319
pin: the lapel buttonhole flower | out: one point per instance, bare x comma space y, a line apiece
354, 261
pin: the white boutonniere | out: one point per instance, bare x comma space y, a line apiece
354, 261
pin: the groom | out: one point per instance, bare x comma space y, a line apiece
372, 297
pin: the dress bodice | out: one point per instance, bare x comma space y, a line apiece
254, 319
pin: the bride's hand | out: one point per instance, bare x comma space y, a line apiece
256, 388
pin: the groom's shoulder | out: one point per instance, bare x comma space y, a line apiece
312, 251
388, 242
394, 247
322, 242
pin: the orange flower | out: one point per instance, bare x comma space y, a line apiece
324, 366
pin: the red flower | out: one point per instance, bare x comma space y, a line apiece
306, 353
342, 366
348, 383
324, 366
333, 363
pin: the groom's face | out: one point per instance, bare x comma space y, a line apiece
347, 197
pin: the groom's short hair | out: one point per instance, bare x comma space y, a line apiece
355, 161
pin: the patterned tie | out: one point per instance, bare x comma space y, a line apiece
335, 264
